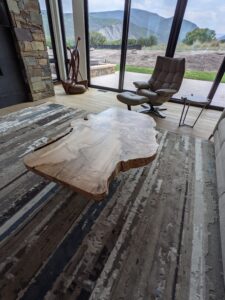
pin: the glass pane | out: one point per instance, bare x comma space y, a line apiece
150, 24
105, 35
68, 22
202, 43
48, 38
219, 97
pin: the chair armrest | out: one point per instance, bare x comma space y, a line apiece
141, 84
166, 92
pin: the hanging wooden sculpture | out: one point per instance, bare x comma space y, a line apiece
72, 85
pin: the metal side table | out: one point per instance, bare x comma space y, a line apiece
196, 100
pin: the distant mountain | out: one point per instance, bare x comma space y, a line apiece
45, 22
142, 24
221, 38
68, 21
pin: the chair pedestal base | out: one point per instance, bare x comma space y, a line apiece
153, 110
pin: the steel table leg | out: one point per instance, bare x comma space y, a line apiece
199, 115
182, 113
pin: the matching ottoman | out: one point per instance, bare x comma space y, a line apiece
131, 99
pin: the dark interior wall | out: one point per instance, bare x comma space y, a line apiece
12, 85
30, 42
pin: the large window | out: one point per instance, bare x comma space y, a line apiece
105, 38
49, 40
202, 43
68, 21
153, 28
149, 29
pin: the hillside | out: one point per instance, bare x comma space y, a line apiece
221, 38
142, 24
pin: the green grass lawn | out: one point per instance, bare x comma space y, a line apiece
198, 75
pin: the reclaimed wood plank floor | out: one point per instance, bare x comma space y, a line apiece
94, 101
141, 242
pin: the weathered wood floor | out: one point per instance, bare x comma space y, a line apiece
94, 101
156, 236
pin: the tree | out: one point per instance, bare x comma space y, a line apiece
148, 41
48, 42
113, 42
97, 39
200, 34
132, 42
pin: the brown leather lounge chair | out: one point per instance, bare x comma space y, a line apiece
163, 84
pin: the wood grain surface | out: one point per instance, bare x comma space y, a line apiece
96, 150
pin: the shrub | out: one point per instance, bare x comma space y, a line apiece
97, 39
148, 41
48, 41
200, 34
132, 42
113, 42
70, 42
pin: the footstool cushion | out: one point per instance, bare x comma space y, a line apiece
132, 98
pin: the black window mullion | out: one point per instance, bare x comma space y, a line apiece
217, 80
52, 38
126, 19
62, 25
86, 23
175, 28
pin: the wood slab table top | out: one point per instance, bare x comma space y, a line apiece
96, 150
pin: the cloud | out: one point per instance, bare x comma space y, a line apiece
42, 4
101, 5
67, 5
163, 8
204, 13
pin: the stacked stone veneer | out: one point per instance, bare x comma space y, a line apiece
29, 35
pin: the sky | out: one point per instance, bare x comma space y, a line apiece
212, 16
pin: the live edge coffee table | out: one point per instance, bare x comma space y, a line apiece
96, 150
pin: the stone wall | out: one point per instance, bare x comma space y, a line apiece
30, 39
101, 70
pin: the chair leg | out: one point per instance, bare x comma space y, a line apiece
145, 106
156, 111
156, 108
153, 110
160, 108
210, 137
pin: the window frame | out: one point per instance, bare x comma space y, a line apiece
178, 17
